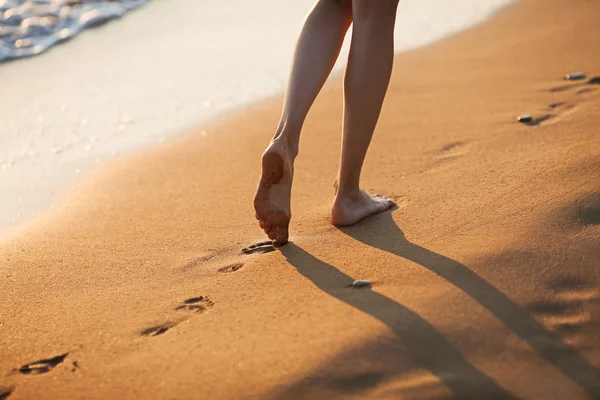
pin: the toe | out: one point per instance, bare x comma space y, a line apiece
281, 236
262, 223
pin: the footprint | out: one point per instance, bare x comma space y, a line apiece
231, 267
552, 106
41, 366
440, 158
453, 149
562, 88
555, 307
197, 262
585, 90
567, 283
594, 81
568, 313
261, 247
196, 304
157, 330
5, 392
588, 212
560, 110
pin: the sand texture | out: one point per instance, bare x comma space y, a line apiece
485, 279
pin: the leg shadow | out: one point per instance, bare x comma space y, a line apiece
426, 345
382, 232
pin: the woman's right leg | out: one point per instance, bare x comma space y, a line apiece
365, 85
316, 51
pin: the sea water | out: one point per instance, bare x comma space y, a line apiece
30, 27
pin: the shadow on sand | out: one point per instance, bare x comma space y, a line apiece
424, 343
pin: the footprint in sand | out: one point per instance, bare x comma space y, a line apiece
5, 392
453, 149
568, 312
588, 210
158, 329
575, 85
196, 304
557, 111
266, 246
197, 262
231, 268
439, 158
585, 90
562, 88
41, 366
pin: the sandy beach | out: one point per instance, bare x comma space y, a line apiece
484, 280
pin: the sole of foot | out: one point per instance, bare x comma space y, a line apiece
272, 200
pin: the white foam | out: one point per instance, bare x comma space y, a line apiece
157, 72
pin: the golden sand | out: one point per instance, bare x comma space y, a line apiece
485, 279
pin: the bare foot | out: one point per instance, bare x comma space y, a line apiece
272, 200
349, 209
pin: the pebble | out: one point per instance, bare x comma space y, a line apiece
360, 283
524, 118
575, 76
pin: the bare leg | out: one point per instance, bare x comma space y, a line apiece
316, 52
365, 85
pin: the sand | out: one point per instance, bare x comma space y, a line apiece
485, 279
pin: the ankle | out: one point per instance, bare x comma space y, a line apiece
289, 147
288, 134
347, 193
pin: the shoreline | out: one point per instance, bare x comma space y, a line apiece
484, 279
115, 105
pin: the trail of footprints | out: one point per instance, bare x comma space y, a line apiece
200, 304
194, 304
552, 114
557, 111
197, 305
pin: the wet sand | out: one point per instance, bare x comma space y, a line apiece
485, 279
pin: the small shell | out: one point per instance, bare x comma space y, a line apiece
575, 76
360, 283
524, 118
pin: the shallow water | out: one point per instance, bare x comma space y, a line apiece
30, 27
